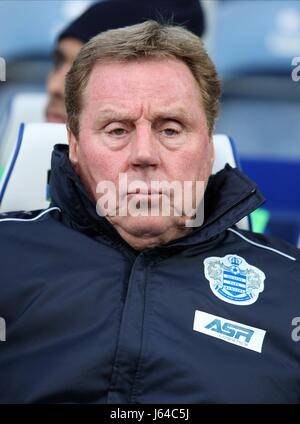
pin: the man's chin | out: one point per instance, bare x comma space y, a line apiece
147, 226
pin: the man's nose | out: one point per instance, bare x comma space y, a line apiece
144, 148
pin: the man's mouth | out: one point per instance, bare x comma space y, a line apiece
149, 192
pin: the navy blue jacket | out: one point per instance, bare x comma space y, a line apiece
202, 319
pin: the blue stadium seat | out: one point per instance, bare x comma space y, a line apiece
256, 36
255, 44
23, 107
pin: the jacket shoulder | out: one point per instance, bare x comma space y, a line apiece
25, 216
20, 215
272, 244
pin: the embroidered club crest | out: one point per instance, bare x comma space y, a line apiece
233, 280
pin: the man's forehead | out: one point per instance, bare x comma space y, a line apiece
118, 112
145, 74
155, 84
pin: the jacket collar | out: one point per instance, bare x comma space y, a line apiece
230, 196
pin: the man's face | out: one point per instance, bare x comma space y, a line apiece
63, 56
144, 119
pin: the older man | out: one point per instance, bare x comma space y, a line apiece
107, 305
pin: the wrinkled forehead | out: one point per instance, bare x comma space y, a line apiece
154, 81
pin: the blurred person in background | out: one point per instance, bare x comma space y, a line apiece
106, 15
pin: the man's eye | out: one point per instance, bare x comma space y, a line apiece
117, 132
58, 60
58, 64
169, 132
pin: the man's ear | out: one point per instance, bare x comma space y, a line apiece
73, 148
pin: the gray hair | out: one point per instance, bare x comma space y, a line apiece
149, 39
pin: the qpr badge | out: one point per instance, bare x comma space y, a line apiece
233, 280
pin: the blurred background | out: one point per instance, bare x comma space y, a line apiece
255, 45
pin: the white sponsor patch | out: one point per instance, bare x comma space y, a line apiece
230, 331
